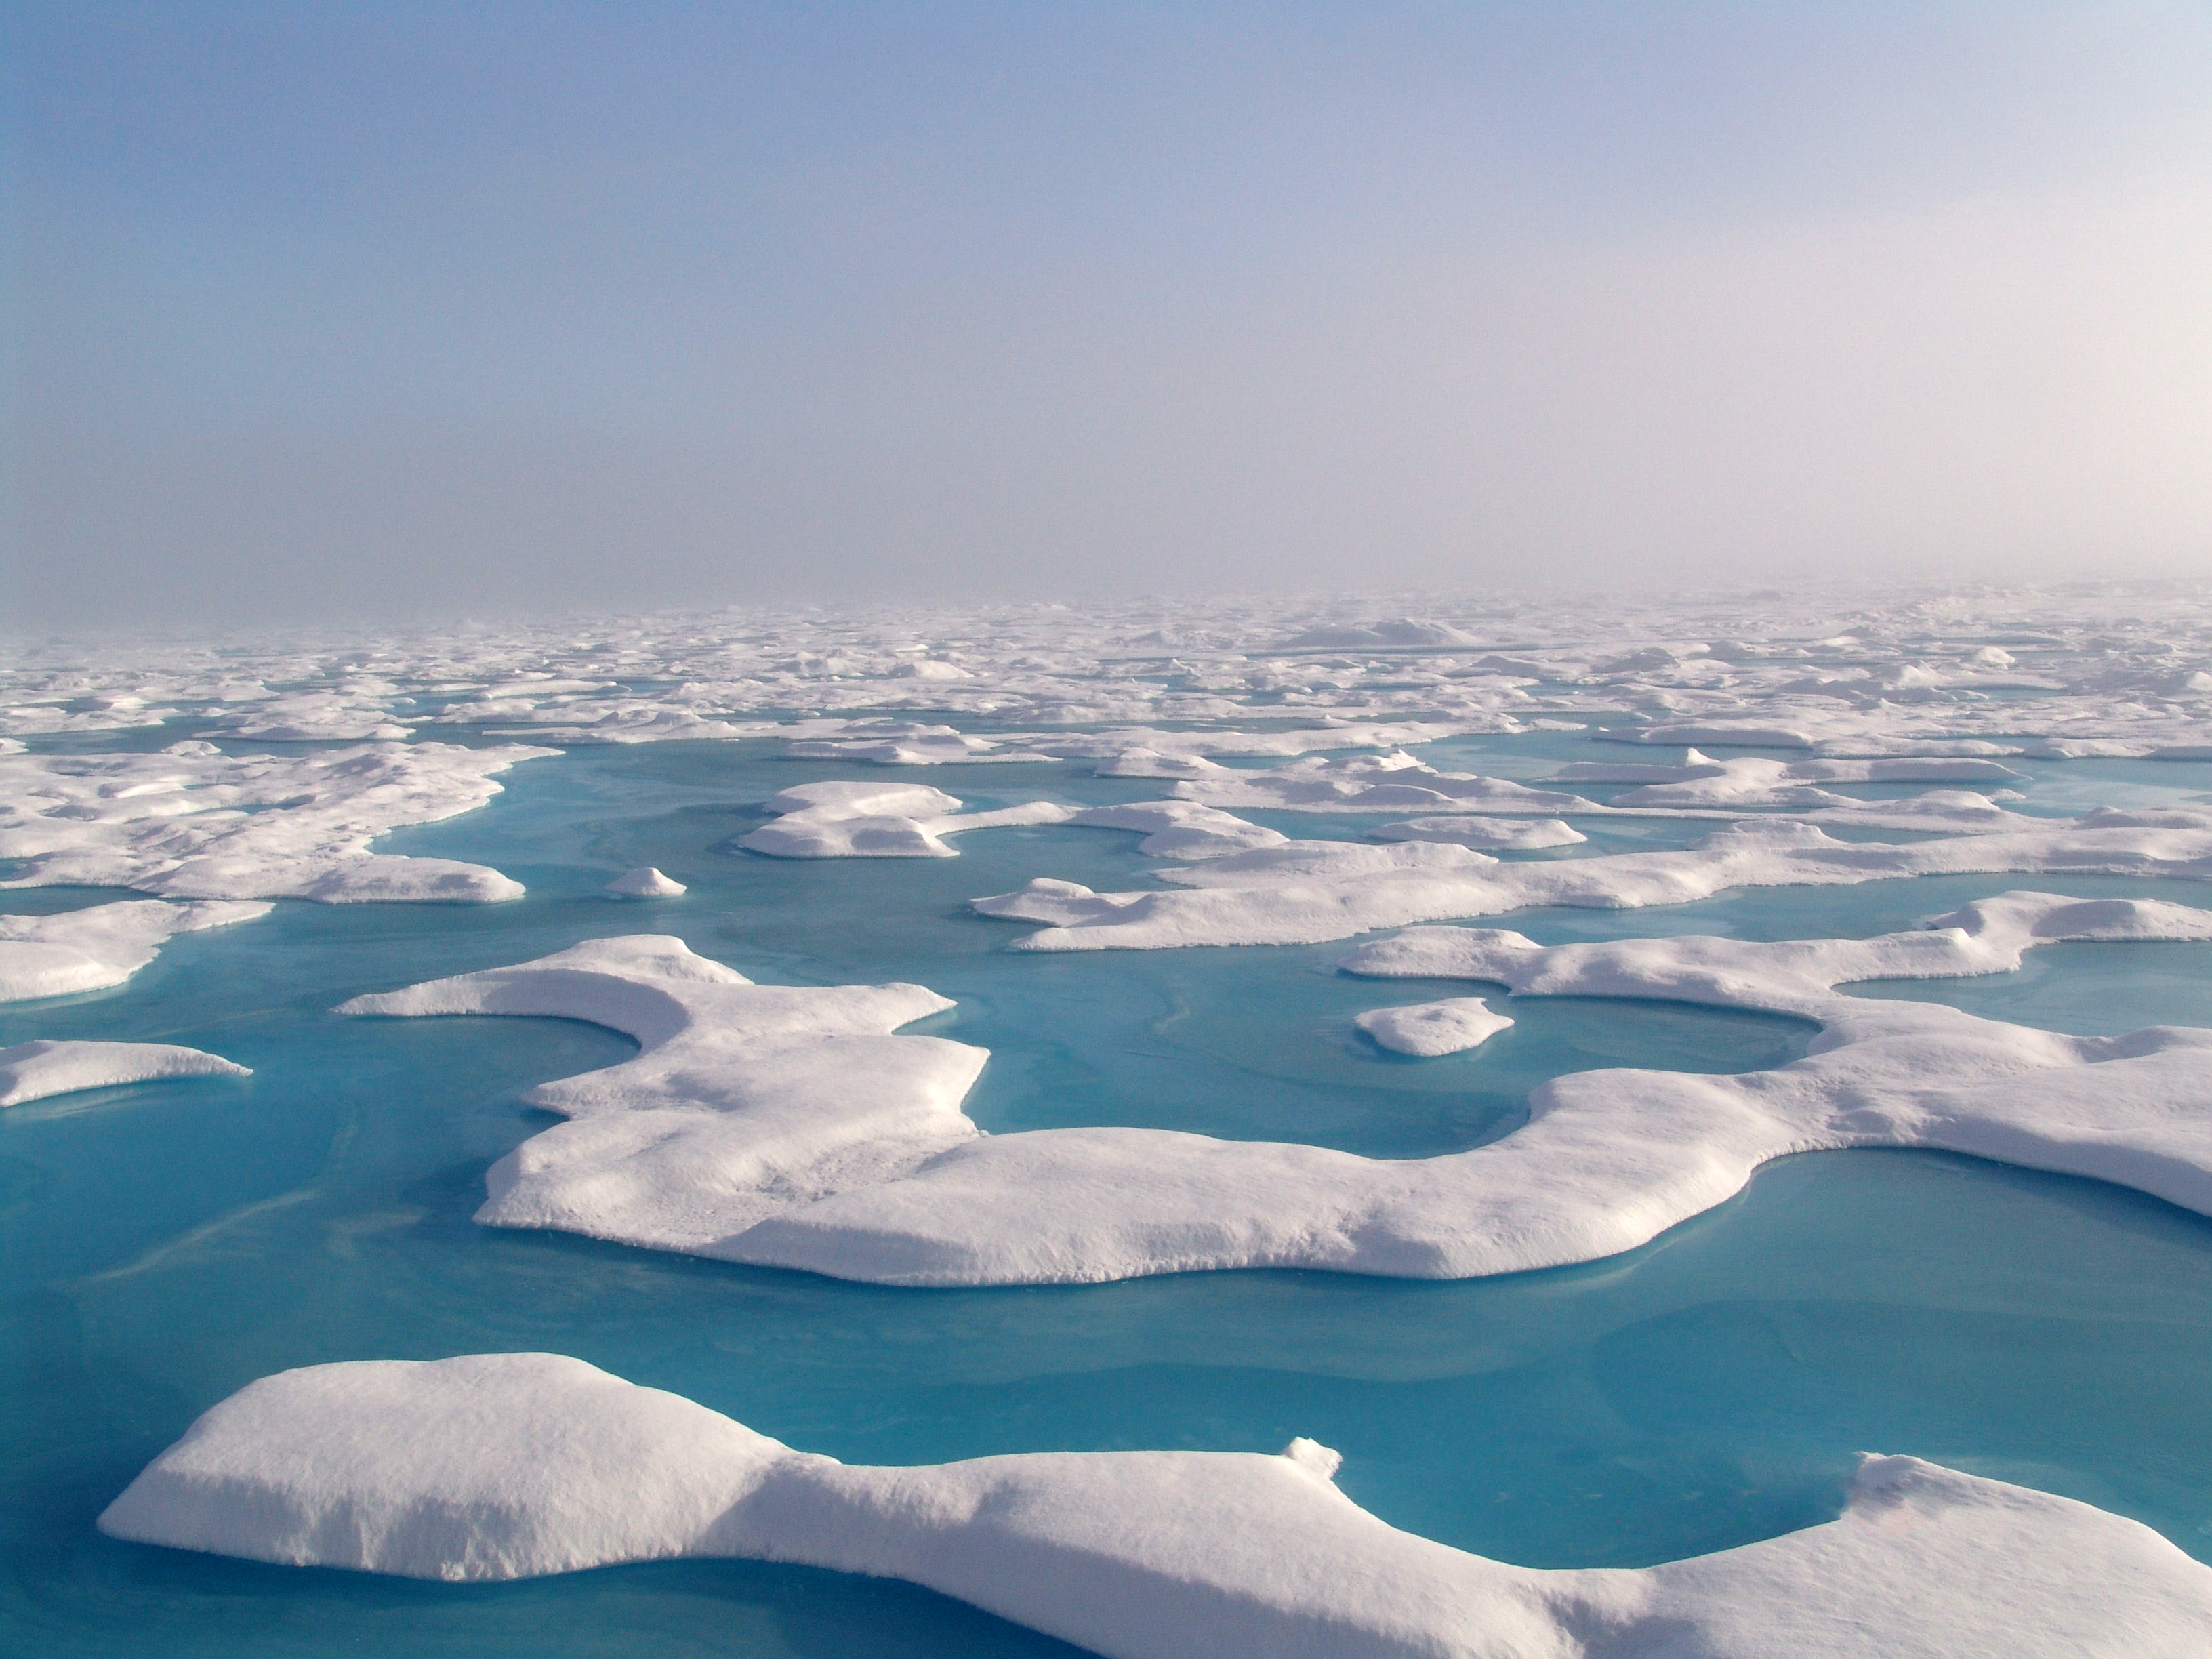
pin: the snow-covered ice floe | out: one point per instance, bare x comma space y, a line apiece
35, 1070
645, 882
1427, 1029
786, 1127
876, 821
90, 950
1306, 892
191, 822
497, 1466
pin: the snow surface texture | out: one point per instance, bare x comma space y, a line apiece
645, 882
1430, 1029
35, 1070
191, 822
90, 950
786, 1127
509, 1466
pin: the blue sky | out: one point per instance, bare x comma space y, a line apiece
323, 309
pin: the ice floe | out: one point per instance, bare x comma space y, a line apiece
191, 822
746, 1099
35, 1070
645, 882
1306, 892
786, 1127
506, 1466
89, 950
1451, 1026
877, 821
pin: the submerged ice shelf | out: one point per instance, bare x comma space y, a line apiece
786, 1127
451, 1469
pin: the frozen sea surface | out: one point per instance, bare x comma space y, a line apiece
166, 1243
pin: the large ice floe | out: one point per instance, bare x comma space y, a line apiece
35, 1070
785, 1126
92, 949
509, 1466
191, 822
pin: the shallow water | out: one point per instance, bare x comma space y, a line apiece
166, 1243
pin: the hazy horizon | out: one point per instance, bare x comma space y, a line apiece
488, 309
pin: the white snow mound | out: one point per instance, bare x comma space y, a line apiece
645, 882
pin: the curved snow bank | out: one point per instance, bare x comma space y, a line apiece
645, 882
1429, 1029
783, 1127
90, 950
194, 822
506, 1466
1306, 892
877, 821
746, 1099
35, 1070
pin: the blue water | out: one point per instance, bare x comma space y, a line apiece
163, 1244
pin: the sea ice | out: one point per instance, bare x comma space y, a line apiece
35, 1070
192, 822
1306, 892
877, 821
645, 882
506, 1466
89, 950
785, 1127
1429, 1029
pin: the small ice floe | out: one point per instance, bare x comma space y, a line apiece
35, 1070
1430, 1029
645, 882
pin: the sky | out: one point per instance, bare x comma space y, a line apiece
319, 311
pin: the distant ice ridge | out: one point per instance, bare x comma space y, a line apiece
191, 822
786, 1127
90, 950
1823, 672
35, 1070
453, 1469
1306, 892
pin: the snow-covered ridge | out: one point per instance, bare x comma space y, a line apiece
193, 823
89, 950
876, 821
35, 1070
786, 1127
508, 1466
